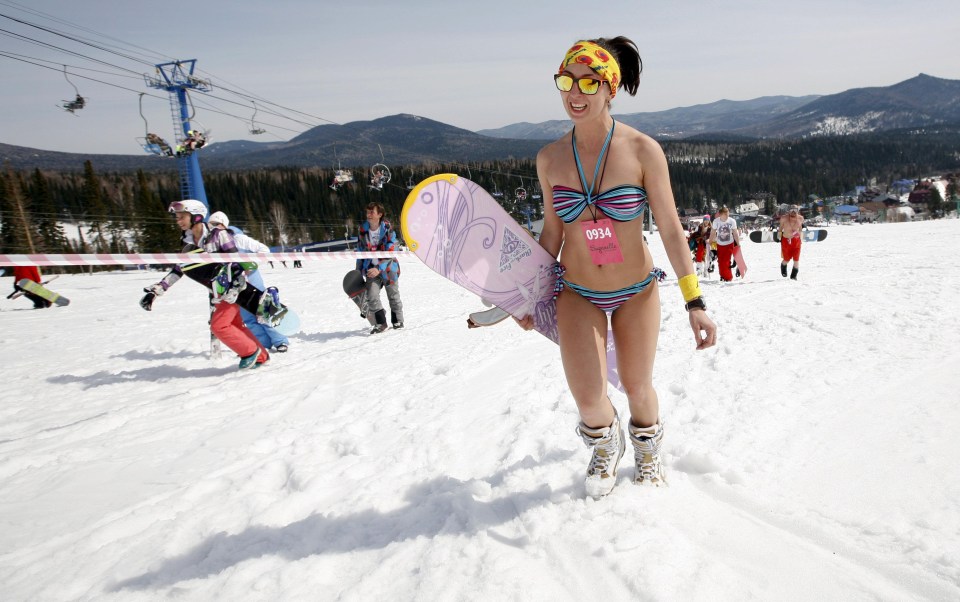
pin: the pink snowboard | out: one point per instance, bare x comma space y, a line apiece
741, 264
462, 233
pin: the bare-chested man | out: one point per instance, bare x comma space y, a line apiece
791, 225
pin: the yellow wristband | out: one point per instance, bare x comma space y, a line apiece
690, 287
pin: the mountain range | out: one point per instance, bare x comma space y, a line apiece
921, 101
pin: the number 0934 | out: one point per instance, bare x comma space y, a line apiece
598, 233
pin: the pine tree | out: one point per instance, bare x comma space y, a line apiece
157, 231
935, 202
16, 217
7, 231
53, 239
95, 210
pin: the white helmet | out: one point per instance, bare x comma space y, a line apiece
219, 217
196, 209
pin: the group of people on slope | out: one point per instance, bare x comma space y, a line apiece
234, 287
715, 240
719, 239
245, 311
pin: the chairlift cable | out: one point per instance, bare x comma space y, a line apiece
55, 19
92, 79
63, 35
48, 45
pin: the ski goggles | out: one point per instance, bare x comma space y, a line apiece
592, 55
587, 85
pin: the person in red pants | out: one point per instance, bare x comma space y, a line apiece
227, 325
30, 272
226, 281
791, 226
726, 235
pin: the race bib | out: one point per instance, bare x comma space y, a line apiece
602, 241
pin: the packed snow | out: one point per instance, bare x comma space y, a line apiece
811, 455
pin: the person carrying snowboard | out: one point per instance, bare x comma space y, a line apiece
726, 235
226, 281
597, 181
30, 272
791, 226
376, 234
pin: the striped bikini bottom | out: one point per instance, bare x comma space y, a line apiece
607, 301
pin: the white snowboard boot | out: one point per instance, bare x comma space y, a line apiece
646, 448
608, 447
701, 269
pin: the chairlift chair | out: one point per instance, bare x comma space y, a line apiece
152, 143
379, 173
71, 106
341, 177
196, 138
520, 193
256, 131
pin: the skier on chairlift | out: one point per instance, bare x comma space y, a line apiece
71, 106
160, 143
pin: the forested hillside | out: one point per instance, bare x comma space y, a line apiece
43, 211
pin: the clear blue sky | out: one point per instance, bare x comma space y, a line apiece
474, 65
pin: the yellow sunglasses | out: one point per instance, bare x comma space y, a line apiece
587, 85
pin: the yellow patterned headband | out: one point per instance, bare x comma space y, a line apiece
593, 56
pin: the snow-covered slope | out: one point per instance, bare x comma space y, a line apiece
811, 454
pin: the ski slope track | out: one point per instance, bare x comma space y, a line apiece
811, 455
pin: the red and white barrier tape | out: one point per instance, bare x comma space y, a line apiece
50, 259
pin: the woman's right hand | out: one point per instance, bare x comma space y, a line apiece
526, 323
704, 330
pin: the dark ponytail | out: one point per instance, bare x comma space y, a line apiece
628, 57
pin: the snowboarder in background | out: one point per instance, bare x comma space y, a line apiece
700, 240
791, 226
226, 281
376, 234
266, 334
30, 272
726, 235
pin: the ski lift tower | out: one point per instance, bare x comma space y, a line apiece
176, 78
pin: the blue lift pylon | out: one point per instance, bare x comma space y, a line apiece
177, 78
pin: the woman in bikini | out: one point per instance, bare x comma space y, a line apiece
597, 182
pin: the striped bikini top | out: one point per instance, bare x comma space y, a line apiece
622, 203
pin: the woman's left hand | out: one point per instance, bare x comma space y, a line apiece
704, 330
